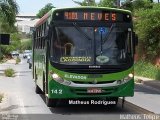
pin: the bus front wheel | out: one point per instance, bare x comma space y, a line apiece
38, 90
51, 102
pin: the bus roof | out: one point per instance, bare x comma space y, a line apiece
44, 18
92, 7
47, 15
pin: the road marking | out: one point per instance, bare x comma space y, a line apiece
20, 100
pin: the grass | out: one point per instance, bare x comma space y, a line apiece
18, 60
146, 69
2, 61
1, 96
24, 40
9, 72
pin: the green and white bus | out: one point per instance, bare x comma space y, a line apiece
84, 52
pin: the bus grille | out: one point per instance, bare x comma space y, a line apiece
92, 82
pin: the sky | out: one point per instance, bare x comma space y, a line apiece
33, 6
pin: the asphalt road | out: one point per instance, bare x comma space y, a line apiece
22, 99
146, 97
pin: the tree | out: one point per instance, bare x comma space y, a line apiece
8, 11
44, 10
137, 4
86, 3
15, 44
107, 3
148, 29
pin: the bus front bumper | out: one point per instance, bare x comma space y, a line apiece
60, 91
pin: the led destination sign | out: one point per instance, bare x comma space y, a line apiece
104, 16
92, 15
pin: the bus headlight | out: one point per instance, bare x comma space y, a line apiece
60, 80
57, 78
129, 77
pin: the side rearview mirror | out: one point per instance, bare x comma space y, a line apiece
135, 41
4, 39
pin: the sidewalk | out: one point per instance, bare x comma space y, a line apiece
148, 82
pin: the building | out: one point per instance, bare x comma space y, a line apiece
25, 22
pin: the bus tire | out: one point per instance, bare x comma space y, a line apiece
38, 90
51, 102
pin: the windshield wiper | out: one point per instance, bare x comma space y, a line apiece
83, 33
107, 36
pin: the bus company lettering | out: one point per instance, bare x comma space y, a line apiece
75, 76
75, 59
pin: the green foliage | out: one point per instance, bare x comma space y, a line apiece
5, 28
1, 97
2, 60
137, 4
26, 44
128, 5
18, 60
8, 11
9, 72
107, 3
86, 3
148, 29
146, 69
44, 10
14, 45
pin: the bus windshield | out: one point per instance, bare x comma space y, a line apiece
77, 45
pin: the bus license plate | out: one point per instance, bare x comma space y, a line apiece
94, 90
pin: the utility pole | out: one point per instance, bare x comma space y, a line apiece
118, 3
